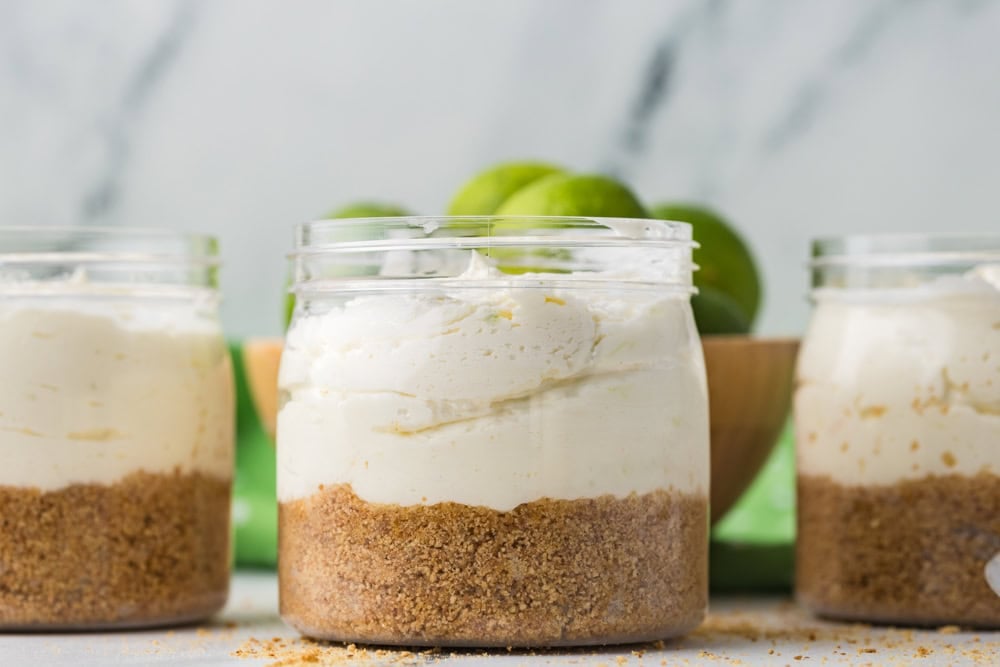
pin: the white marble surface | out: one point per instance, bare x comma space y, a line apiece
241, 117
738, 631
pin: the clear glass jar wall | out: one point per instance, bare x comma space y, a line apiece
493, 432
116, 429
897, 417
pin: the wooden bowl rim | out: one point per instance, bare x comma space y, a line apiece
755, 341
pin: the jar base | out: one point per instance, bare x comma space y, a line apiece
148, 550
208, 608
547, 573
680, 628
890, 617
910, 553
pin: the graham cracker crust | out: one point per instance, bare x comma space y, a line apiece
151, 549
547, 573
910, 553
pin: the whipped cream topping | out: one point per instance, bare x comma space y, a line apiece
494, 397
96, 388
900, 388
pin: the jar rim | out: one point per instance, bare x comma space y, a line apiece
40, 244
435, 252
431, 232
905, 250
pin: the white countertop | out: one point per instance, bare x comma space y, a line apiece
739, 631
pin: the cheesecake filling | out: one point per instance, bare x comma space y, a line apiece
95, 390
494, 398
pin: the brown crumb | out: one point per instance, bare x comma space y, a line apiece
949, 630
872, 411
288, 653
550, 572
149, 549
911, 552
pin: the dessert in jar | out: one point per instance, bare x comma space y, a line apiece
493, 432
897, 414
116, 429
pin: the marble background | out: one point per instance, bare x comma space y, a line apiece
242, 117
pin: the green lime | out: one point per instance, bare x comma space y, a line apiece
725, 261
486, 191
560, 195
364, 209
367, 209
717, 313
289, 304
589, 195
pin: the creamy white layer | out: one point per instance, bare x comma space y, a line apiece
494, 397
95, 388
896, 386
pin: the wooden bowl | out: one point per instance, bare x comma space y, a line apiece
750, 384
749, 387
261, 357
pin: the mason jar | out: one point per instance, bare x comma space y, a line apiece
116, 429
493, 432
897, 415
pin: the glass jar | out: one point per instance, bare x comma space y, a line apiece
493, 432
116, 429
897, 415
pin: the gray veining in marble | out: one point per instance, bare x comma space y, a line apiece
125, 117
242, 117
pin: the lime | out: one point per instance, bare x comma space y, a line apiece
363, 209
289, 304
716, 313
369, 210
559, 195
487, 190
725, 261
590, 195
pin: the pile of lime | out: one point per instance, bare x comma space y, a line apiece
728, 282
